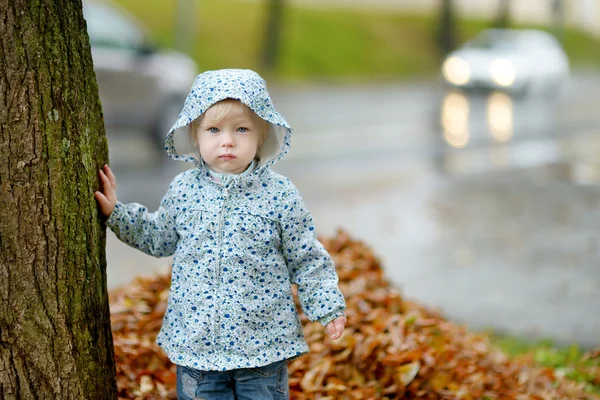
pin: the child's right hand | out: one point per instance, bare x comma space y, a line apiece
107, 198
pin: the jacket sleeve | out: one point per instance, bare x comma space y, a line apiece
153, 233
309, 264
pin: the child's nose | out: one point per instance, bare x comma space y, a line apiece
228, 139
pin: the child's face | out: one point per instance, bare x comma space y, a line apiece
229, 142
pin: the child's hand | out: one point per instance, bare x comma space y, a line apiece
107, 198
336, 327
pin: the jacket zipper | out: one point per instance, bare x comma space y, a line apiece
220, 234
217, 275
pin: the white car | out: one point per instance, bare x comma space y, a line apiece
518, 61
140, 86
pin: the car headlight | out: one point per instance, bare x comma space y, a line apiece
502, 72
456, 71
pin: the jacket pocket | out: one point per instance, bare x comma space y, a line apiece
188, 221
260, 236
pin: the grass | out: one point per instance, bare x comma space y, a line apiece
320, 43
568, 360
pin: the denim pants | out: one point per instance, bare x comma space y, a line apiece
269, 382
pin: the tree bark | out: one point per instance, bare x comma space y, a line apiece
55, 337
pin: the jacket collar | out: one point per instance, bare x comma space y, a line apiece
245, 178
224, 179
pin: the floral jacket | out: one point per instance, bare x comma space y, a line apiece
238, 247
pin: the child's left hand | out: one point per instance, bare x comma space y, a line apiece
336, 327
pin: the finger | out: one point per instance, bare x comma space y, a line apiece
108, 189
111, 176
339, 323
106, 184
106, 206
101, 198
103, 202
331, 329
334, 332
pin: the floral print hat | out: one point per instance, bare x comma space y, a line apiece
211, 87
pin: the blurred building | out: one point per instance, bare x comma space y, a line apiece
586, 14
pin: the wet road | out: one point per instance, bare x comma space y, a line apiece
485, 206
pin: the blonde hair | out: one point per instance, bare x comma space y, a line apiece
220, 109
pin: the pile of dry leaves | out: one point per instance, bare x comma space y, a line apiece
391, 348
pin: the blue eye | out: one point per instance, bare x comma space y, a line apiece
213, 130
242, 129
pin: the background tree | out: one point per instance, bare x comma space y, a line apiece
186, 29
503, 16
446, 33
272, 40
558, 18
55, 338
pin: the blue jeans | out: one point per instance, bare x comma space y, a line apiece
261, 383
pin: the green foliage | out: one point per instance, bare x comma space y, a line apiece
321, 42
571, 360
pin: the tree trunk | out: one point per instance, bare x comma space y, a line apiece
55, 337
446, 28
503, 16
558, 19
272, 38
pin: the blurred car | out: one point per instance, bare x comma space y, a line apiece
140, 86
518, 61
